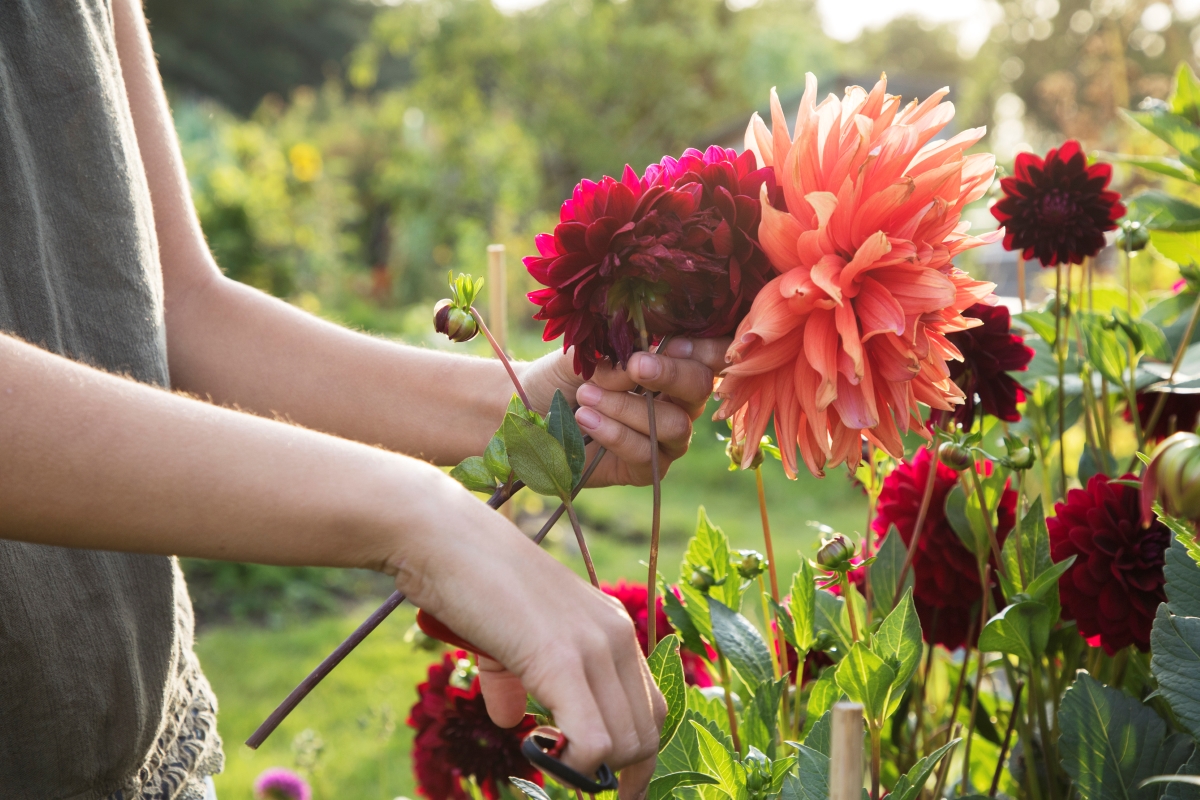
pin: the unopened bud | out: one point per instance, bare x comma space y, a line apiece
1020, 455
454, 322
737, 451
1132, 236
836, 553
750, 564
421, 640
954, 456
1173, 477
464, 674
703, 579
758, 771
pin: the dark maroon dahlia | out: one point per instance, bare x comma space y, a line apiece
1181, 412
1057, 209
989, 352
678, 245
633, 597
1116, 583
946, 586
455, 738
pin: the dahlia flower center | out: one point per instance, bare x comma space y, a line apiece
1058, 207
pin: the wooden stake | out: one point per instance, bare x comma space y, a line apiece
846, 753
498, 294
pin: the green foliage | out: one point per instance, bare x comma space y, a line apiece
1175, 638
667, 670
537, 458
910, 784
867, 679
475, 474
740, 642
898, 643
663, 787
885, 572
761, 717
1021, 629
561, 424
802, 605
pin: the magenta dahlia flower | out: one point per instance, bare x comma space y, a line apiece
989, 353
633, 597
1116, 583
946, 587
1057, 209
678, 244
456, 739
278, 783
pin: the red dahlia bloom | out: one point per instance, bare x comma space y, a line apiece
680, 243
1115, 585
456, 739
1056, 209
633, 597
1181, 412
989, 353
946, 588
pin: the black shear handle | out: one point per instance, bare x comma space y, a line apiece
542, 747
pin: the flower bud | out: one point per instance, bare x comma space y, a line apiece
420, 640
1173, 477
954, 456
1132, 236
750, 564
464, 674
836, 553
737, 451
758, 771
703, 579
1020, 454
454, 322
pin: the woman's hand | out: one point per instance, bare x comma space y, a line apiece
617, 418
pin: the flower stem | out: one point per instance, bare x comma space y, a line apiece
1060, 359
1012, 724
966, 767
945, 769
503, 358
1161, 403
844, 582
656, 478
1048, 748
871, 498
583, 548
987, 524
723, 666
922, 513
876, 757
766, 526
1021, 278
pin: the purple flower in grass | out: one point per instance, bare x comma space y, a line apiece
278, 783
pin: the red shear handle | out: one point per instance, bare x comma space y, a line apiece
434, 628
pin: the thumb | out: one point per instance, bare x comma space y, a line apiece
503, 693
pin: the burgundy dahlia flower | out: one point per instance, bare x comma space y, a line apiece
633, 597
1057, 209
456, 739
946, 588
989, 352
278, 783
1115, 585
1181, 412
680, 244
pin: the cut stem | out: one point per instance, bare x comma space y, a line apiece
583, 549
656, 482
930, 481
499, 351
1060, 359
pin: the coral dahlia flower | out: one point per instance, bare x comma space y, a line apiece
850, 334
456, 739
1115, 585
678, 245
1056, 209
989, 353
946, 587
633, 597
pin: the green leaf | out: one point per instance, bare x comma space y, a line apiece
780, 769
495, 458
885, 572
898, 643
783, 619
1105, 350
561, 424
667, 670
1183, 576
517, 406
1021, 629
1181, 247
474, 474
1185, 94
682, 754
1175, 663
1173, 129
866, 678
821, 697
709, 547
909, 786
820, 737
1163, 165
663, 788
1042, 323
681, 620
1160, 211
695, 605
740, 642
830, 617
802, 605
721, 764
1042, 584
537, 458
760, 726
531, 789
812, 780
709, 705
1110, 742
1032, 540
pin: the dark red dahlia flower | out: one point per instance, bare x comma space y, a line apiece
1180, 413
946, 588
1056, 209
456, 739
679, 244
989, 352
633, 597
1115, 585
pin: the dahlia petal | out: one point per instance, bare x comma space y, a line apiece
868, 255
778, 233
847, 326
919, 291
878, 311
826, 276
821, 350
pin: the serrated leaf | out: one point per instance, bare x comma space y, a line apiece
531, 789
1021, 629
780, 769
682, 753
537, 458
681, 620
709, 705
820, 738
830, 617
1175, 663
909, 785
970, 531
561, 424
709, 547
1110, 742
1183, 578
741, 643
517, 406
721, 764
667, 670
812, 780
474, 475
760, 727
1033, 560
898, 643
885, 572
495, 458
783, 622
866, 679
1042, 584
821, 697
802, 605
663, 787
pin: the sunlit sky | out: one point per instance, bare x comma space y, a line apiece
845, 19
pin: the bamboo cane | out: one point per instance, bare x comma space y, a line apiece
846, 752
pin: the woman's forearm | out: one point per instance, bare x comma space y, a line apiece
92, 460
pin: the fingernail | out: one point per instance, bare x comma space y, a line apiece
679, 348
588, 418
646, 367
589, 394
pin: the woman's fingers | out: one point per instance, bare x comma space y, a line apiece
620, 421
503, 693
